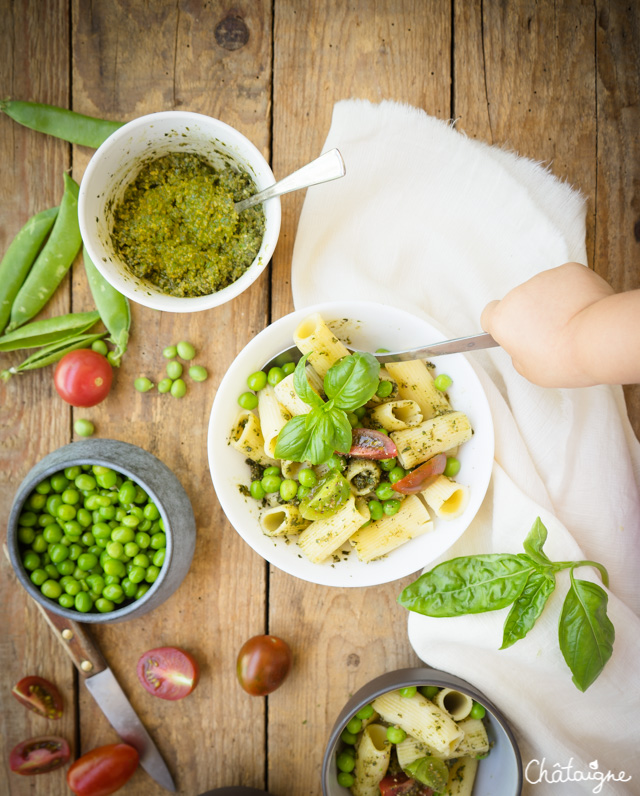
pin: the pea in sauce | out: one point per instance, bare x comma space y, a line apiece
176, 226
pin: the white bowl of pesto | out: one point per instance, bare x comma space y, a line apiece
156, 217
367, 327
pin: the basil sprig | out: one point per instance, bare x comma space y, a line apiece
475, 584
349, 383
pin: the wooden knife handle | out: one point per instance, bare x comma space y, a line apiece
77, 642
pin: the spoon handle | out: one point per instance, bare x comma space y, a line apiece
328, 166
472, 343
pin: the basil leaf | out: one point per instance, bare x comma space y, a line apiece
527, 607
293, 439
342, 430
468, 585
430, 771
536, 537
352, 380
321, 443
586, 633
301, 384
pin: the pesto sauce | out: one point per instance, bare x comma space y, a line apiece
176, 226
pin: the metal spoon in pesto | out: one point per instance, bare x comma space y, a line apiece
327, 167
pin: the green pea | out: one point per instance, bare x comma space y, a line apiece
136, 574
384, 389
107, 479
39, 544
345, 762
44, 487
170, 352
303, 492
100, 347
375, 509
115, 549
288, 489
104, 606
113, 592
385, 491
396, 474
38, 576
477, 711
72, 587
409, 691
164, 385
83, 427
307, 477
51, 589
66, 512
185, 350
396, 734
335, 462
74, 552
275, 376
123, 534
248, 400
387, 464
83, 602
45, 519
391, 507
36, 503
178, 388
143, 384
107, 512
288, 368
59, 483
101, 530
257, 490
96, 583
257, 381
429, 691
83, 518
52, 534
128, 587
360, 412
271, 483
127, 492
131, 549
365, 712
452, 467
348, 737
59, 553
112, 566
159, 557
345, 779
142, 589
66, 567
442, 382
143, 540
198, 373
174, 369
354, 725
26, 535
72, 472
152, 573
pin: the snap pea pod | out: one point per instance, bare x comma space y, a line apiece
112, 306
51, 330
53, 262
19, 258
52, 353
60, 122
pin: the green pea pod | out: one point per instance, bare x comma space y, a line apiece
52, 353
527, 607
53, 262
19, 258
112, 306
585, 633
51, 330
60, 122
468, 585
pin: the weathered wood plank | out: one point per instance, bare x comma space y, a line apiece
341, 637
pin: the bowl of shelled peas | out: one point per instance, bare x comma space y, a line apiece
101, 531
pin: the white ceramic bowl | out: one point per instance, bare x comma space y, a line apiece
370, 326
117, 162
499, 774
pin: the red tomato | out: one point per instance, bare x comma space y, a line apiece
83, 377
397, 784
103, 771
39, 695
168, 672
39, 755
263, 664
366, 443
418, 479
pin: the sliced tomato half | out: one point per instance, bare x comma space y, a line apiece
39, 695
168, 672
367, 443
418, 479
39, 755
400, 783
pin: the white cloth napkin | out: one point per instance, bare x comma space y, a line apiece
438, 224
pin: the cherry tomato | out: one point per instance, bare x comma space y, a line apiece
168, 672
39, 695
418, 479
103, 771
367, 443
83, 377
39, 755
263, 664
397, 784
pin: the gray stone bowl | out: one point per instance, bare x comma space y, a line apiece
162, 487
499, 773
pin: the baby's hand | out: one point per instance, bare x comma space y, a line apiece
541, 325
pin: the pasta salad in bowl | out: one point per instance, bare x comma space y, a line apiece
337, 469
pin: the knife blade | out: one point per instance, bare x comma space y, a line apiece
106, 691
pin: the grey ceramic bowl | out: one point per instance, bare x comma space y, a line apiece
499, 774
161, 485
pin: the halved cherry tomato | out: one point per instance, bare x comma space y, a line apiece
83, 377
103, 770
39, 755
264, 663
168, 672
367, 443
39, 695
397, 784
418, 479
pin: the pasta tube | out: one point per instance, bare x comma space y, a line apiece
273, 418
455, 703
246, 437
475, 740
372, 761
289, 398
282, 520
409, 750
415, 382
446, 497
313, 337
384, 535
363, 475
437, 435
462, 775
420, 718
397, 415
323, 537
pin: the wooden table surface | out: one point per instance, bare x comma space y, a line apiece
559, 82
